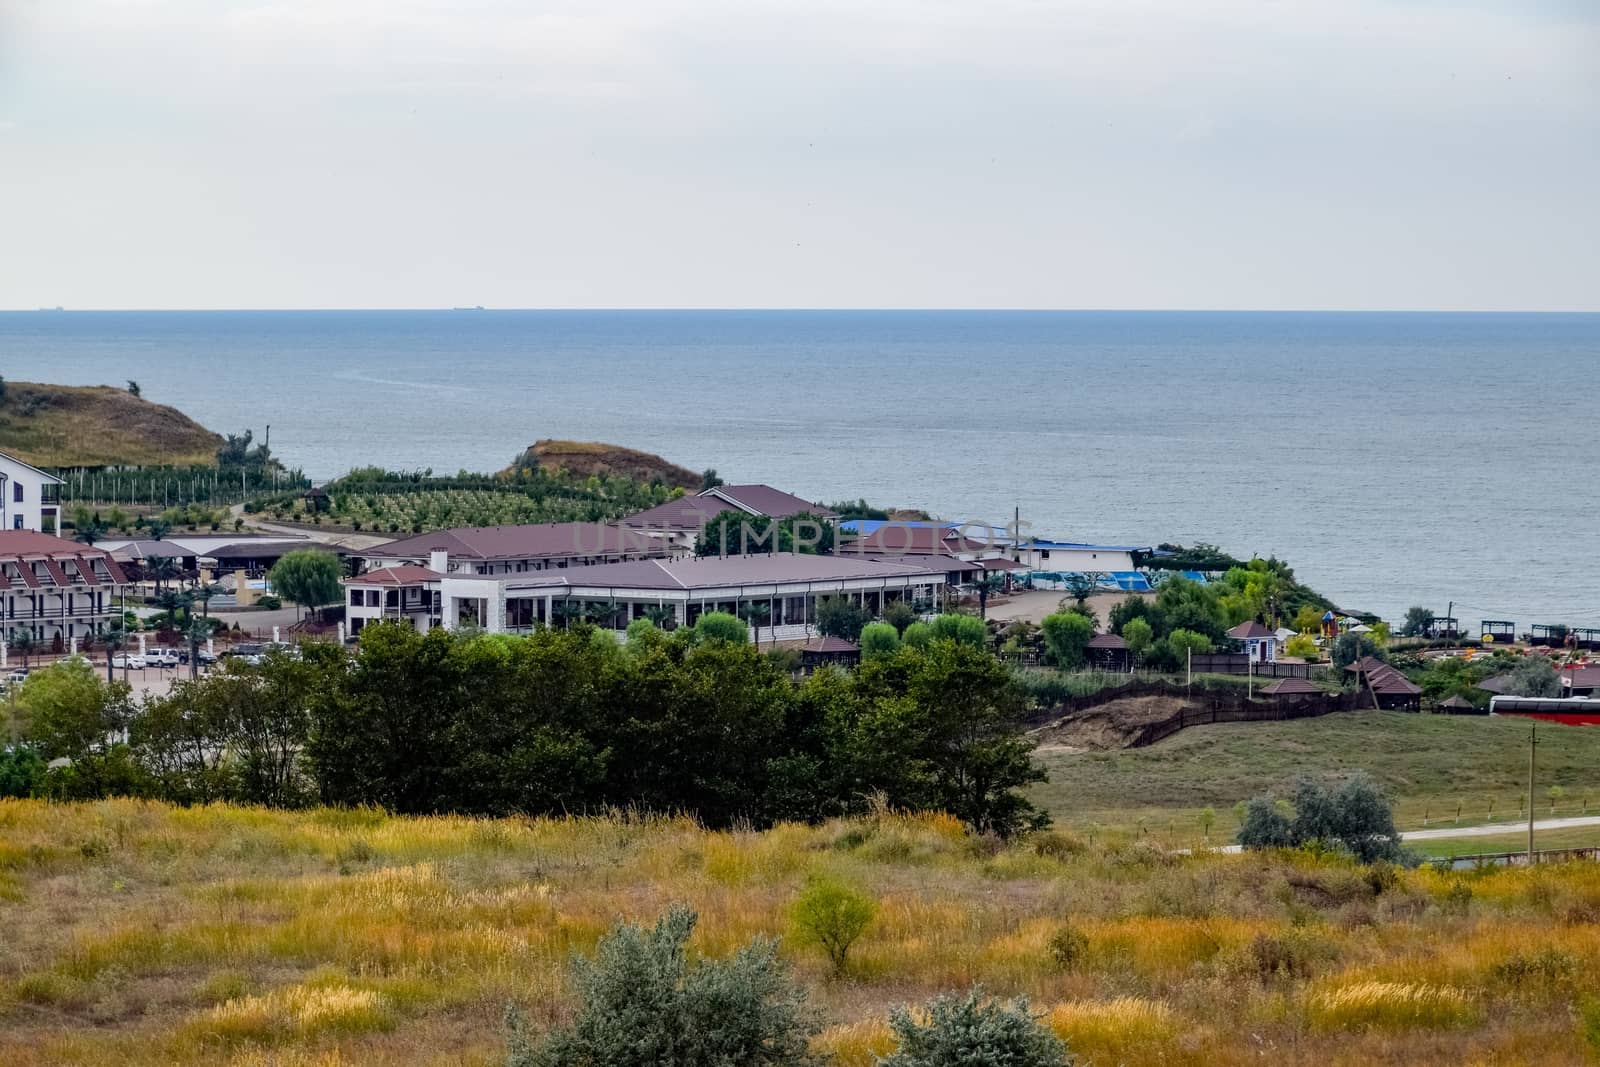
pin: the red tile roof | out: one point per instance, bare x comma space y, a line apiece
829, 645
1107, 641
765, 500
1288, 687
533, 541
1247, 630
405, 574
20, 549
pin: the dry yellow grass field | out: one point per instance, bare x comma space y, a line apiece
139, 934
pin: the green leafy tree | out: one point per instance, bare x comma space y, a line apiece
307, 576
899, 614
23, 644
22, 771
970, 1030
918, 635
963, 629
1418, 621
1302, 646
832, 916
1533, 676
986, 585
1066, 635
755, 615
1138, 635
1349, 647
70, 714
643, 1004
839, 616
879, 639
1355, 817
721, 626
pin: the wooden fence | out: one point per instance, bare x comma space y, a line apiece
1239, 663
1204, 707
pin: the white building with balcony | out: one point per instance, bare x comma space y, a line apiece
30, 499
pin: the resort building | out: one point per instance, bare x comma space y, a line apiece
55, 590
495, 550
680, 521
784, 587
30, 499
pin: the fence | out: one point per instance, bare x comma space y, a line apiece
1239, 663
1518, 859
1215, 706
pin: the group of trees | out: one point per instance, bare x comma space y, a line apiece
558, 721
734, 533
1353, 817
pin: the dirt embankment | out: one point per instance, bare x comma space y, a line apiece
585, 458
1110, 725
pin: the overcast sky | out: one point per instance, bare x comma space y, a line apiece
816, 153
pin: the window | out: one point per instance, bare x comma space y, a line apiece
16, 492
355, 598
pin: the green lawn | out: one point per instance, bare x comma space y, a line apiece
1428, 764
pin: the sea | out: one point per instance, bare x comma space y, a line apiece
1392, 458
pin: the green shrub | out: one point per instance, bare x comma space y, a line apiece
879, 639
268, 603
899, 614
1066, 634
832, 916
917, 635
1068, 946
967, 1031
642, 1004
962, 629
720, 626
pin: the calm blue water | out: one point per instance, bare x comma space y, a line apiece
1393, 458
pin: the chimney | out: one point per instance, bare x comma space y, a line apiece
439, 561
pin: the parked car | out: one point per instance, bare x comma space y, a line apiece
18, 676
130, 661
162, 657
201, 656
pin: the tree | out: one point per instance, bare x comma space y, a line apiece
23, 641
832, 916
879, 639
1079, 587
133, 387
721, 626
1138, 635
203, 592
966, 1031
1355, 817
1302, 646
182, 740
69, 713
663, 616
307, 576
709, 479
1066, 635
643, 1004
1533, 676
918, 635
839, 616
963, 629
899, 614
1186, 605
756, 614
1349, 647
1419, 621
114, 639
197, 632
1307, 620
985, 585
2, 389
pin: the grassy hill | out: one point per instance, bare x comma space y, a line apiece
140, 934
98, 426
585, 458
1428, 764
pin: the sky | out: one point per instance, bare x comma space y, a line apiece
1273, 154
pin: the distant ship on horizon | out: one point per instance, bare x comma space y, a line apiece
58, 307
475, 307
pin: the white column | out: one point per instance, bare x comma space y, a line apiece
141, 644
341, 632
3, 653
211, 646
274, 635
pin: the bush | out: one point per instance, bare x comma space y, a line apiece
899, 614
841, 617
965, 1031
720, 626
917, 635
833, 916
1066, 634
879, 639
268, 603
1355, 817
1068, 946
962, 629
1348, 648
21, 772
1302, 646
642, 1004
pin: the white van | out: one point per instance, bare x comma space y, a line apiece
162, 657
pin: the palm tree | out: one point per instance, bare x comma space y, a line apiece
23, 641
170, 601
664, 617
986, 584
161, 568
755, 616
115, 638
203, 592
567, 611
198, 631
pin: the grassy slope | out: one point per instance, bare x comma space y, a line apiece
138, 935
96, 426
584, 458
1427, 763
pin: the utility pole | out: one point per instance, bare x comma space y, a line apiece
1533, 744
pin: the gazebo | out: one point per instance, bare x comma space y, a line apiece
826, 651
1457, 705
1108, 652
1290, 690
1387, 687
